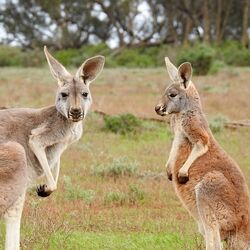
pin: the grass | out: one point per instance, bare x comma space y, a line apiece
110, 241
138, 210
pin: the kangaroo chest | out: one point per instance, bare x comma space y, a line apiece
55, 142
54, 152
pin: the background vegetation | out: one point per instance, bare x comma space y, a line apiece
130, 33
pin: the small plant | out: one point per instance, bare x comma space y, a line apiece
122, 124
75, 192
119, 167
116, 197
217, 123
135, 194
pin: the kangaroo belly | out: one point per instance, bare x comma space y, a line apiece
214, 160
185, 192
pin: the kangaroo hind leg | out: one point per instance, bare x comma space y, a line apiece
215, 208
13, 184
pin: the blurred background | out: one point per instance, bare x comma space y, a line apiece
130, 33
113, 193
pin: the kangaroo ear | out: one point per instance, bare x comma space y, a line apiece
56, 68
172, 70
185, 73
90, 69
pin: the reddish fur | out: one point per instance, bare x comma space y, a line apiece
214, 165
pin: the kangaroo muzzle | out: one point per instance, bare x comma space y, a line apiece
76, 114
161, 110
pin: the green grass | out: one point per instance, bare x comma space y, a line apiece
117, 241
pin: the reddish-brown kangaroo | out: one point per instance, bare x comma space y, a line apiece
207, 180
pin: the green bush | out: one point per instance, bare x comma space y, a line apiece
122, 124
134, 58
239, 58
66, 56
232, 53
201, 57
33, 58
75, 192
89, 51
119, 167
10, 56
14, 56
216, 66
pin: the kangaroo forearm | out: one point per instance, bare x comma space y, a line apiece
57, 170
198, 150
173, 153
41, 156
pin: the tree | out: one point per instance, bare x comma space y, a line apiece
245, 35
59, 23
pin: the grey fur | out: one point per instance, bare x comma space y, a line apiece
32, 140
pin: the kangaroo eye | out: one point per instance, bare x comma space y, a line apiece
85, 94
172, 95
64, 95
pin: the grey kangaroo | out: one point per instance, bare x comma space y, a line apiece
32, 140
207, 180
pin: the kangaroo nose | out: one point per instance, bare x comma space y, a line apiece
75, 112
157, 108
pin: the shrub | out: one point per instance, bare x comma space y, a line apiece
122, 124
201, 58
116, 197
239, 58
216, 66
10, 56
119, 167
88, 51
217, 123
33, 58
134, 58
66, 56
232, 53
75, 192
135, 194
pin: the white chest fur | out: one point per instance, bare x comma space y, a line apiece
75, 133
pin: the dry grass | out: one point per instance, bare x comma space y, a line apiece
158, 221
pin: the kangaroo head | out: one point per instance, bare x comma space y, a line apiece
175, 97
73, 98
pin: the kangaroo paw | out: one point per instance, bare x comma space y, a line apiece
170, 176
182, 179
43, 191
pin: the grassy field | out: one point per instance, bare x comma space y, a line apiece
113, 192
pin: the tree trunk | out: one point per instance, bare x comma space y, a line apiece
187, 31
245, 37
206, 22
218, 21
172, 30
